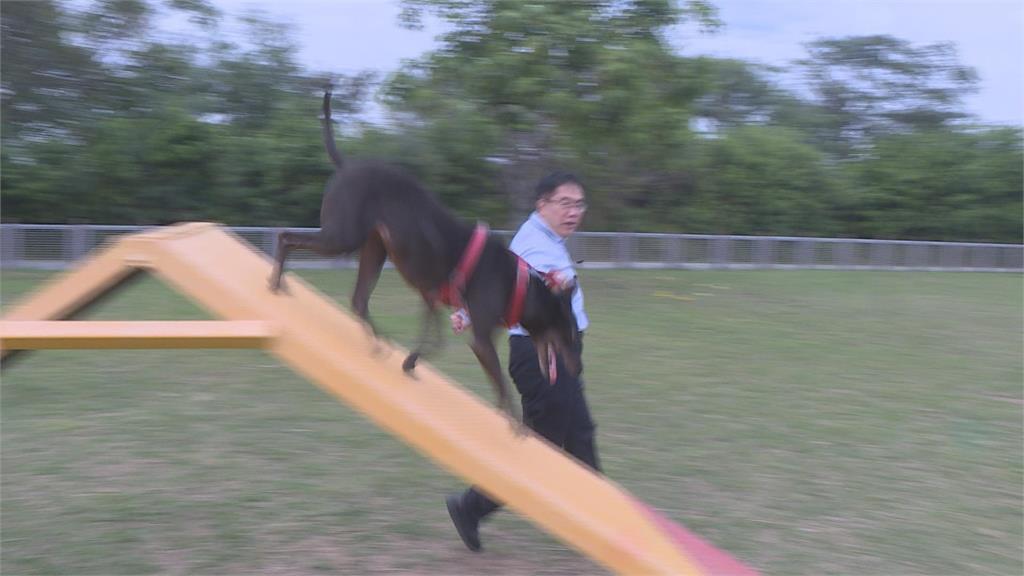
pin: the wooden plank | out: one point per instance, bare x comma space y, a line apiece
461, 432
458, 430
90, 334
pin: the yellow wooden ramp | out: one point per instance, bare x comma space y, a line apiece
455, 428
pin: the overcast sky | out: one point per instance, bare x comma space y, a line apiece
350, 35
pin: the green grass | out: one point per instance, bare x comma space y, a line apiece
809, 422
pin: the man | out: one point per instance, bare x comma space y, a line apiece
556, 411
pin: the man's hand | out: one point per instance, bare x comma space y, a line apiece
460, 321
558, 281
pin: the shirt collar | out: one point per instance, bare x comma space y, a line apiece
539, 222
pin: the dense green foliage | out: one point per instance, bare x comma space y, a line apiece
107, 119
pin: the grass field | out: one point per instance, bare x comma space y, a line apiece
809, 422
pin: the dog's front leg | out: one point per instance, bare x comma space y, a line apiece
431, 336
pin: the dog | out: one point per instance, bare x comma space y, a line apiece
382, 212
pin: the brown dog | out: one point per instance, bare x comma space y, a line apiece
382, 212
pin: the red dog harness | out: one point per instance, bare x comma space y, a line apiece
450, 293
515, 304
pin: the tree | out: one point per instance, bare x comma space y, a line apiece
138, 128
107, 120
869, 86
760, 180
940, 185
740, 93
578, 84
45, 77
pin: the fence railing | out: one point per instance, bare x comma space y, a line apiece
55, 246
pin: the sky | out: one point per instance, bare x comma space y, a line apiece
346, 36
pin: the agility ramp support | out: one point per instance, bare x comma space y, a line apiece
319, 340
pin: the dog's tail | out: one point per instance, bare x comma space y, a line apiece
332, 148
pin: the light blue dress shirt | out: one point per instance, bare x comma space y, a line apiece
545, 250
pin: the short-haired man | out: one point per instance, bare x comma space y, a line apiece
557, 411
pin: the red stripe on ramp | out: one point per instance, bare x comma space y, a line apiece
711, 560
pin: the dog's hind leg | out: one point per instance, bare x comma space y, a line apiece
288, 241
371, 261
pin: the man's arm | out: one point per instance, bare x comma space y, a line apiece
529, 248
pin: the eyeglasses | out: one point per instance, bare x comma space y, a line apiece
567, 204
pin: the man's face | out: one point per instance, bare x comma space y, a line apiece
563, 209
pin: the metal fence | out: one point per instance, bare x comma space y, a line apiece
51, 246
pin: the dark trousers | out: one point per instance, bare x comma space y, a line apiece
556, 411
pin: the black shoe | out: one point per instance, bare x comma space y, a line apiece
469, 528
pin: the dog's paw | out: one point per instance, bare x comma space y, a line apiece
370, 333
410, 362
379, 350
278, 286
519, 430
